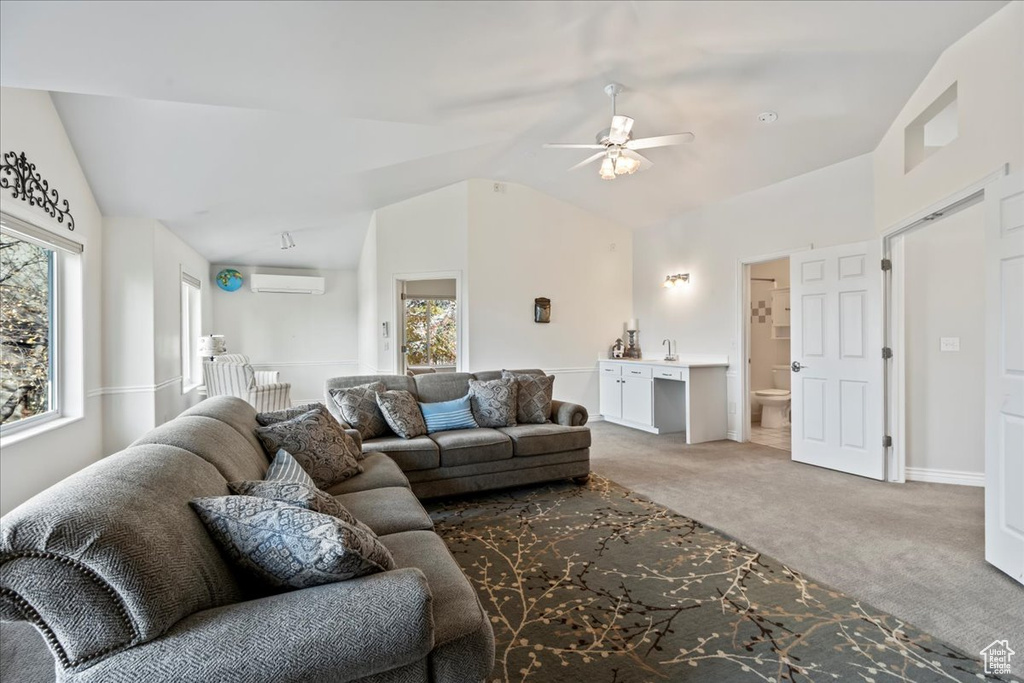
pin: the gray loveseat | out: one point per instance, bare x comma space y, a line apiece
125, 584
468, 460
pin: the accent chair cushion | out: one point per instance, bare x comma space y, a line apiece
448, 415
402, 413
317, 442
533, 405
281, 415
494, 402
358, 407
288, 546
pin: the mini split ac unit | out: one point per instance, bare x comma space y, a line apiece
287, 284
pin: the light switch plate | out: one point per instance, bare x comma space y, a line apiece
949, 343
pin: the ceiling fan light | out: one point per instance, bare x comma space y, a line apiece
626, 165
607, 169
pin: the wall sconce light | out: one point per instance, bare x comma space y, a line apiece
675, 280
286, 241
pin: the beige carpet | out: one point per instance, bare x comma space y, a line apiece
914, 550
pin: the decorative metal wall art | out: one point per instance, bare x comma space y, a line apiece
541, 310
19, 175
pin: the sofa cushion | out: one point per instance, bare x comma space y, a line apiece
379, 471
448, 415
420, 453
487, 375
387, 511
494, 402
534, 439
286, 414
467, 446
235, 412
288, 546
359, 409
441, 386
317, 442
215, 442
463, 639
402, 413
534, 401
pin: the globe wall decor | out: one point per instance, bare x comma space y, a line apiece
229, 279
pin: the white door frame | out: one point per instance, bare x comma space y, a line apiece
461, 318
893, 296
743, 328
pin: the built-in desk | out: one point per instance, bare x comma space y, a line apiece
657, 396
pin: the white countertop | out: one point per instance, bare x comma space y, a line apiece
686, 361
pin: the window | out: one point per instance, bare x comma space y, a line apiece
430, 332
30, 268
191, 326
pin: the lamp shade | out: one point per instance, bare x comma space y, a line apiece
212, 345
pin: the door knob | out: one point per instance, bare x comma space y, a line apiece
796, 367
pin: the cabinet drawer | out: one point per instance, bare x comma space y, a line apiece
636, 371
668, 373
613, 369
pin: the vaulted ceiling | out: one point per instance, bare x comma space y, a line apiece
233, 121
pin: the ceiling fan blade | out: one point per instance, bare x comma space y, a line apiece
571, 145
619, 131
660, 141
588, 160
645, 163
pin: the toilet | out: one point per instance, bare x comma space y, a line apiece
775, 402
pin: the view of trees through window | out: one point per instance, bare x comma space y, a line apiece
430, 334
26, 280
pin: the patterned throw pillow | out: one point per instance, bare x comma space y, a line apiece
301, 495
494, 402
317, 442
447, 415
358, 405
533, 405
402, 413
288, 546
286, 469
281, 415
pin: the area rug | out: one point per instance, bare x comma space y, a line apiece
598, 584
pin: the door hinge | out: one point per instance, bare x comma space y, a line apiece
886, 352
886, 264
886, 441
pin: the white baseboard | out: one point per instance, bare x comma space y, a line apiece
595, 418
933, 476
732, 436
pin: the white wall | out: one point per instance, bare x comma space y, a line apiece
308, 338
524, 244
988, 66
945, 283
29, 464
366, 287
766, 352
830, 206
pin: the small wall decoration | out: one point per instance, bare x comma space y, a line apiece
229, 279
618, 350
541, 310
19, 175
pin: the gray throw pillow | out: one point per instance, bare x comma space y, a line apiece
281, 415
494, 401
318, 444
358, 405
288, 546
286, 468
401, 410
301, 495
533, 405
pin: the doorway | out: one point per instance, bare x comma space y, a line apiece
429, 326
768, 352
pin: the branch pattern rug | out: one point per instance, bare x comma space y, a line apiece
598, 584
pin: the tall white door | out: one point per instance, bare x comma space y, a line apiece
836, 349
1004, 378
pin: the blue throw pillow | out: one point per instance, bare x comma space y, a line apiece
286, 468
446, 415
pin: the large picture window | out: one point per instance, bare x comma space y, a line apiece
28, 331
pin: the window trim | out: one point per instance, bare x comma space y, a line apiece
189, 339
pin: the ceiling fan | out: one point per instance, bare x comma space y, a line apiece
618, 153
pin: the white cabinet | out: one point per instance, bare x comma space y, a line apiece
637, 400
780, 313
611, 395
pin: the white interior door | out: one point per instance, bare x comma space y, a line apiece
1004, 379
836, 348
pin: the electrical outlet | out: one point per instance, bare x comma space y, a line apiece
949, 343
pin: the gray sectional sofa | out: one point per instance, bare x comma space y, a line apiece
125, 584
468, 460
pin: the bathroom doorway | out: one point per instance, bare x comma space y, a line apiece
767, 340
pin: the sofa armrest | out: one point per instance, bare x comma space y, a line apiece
335, 632
568, 414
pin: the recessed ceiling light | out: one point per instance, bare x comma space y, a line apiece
767, 117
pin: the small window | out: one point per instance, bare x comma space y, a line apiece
191, 326
937, 126
430, 332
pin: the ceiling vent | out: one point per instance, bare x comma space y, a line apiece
286, 284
